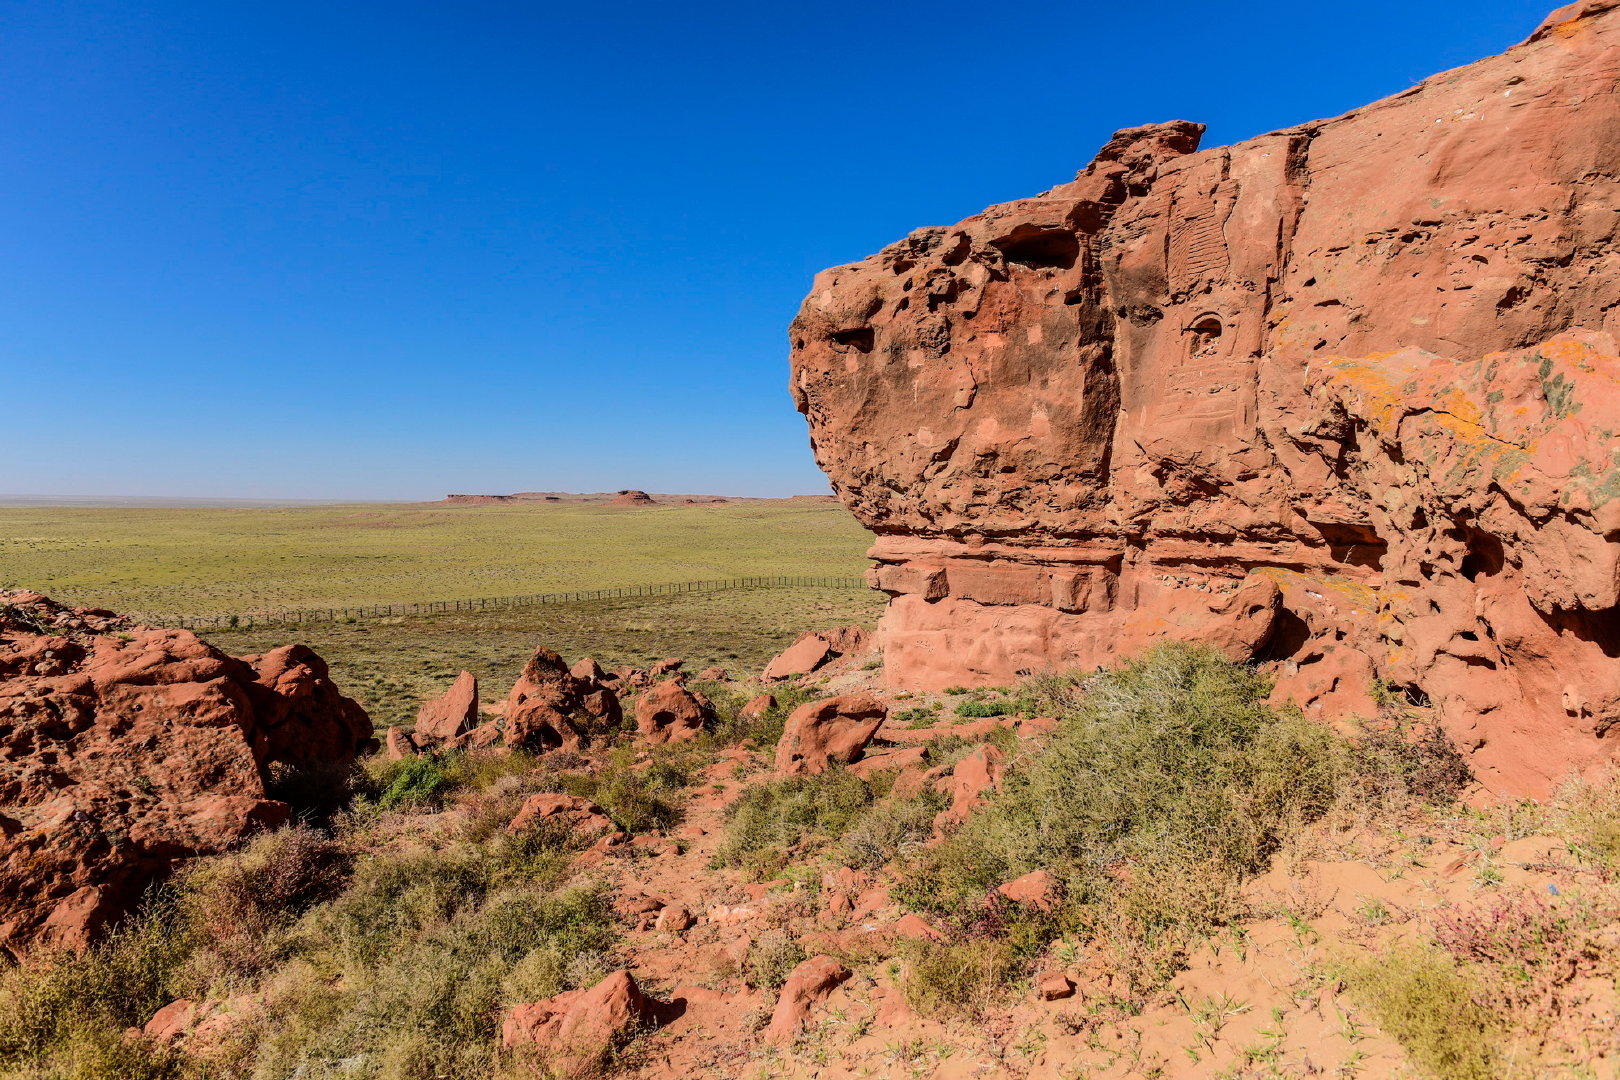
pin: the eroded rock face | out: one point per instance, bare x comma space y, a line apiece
126, 749
831, 731
1341, 397
551, 706
668, 713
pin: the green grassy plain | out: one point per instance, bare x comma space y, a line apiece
209, 561
203, 561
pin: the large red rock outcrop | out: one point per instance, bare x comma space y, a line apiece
1342, 397
126, 749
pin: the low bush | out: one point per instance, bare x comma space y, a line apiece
1523, 948
979, 709
1421, 999
791, 812
364, 962
952, 978
1170, 766
429, 780
766, 729
636, 799
772, 959
889, 827
65, 1015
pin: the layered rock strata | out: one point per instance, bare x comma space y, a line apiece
1343, 397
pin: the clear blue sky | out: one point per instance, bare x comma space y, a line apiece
393, 250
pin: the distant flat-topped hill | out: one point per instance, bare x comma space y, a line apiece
625, 497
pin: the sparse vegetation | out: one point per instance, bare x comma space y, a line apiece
336, 957
1167, 783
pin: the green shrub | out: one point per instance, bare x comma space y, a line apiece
983, 708
428, 1004
65, 1015
1170, 770
636, 799
766, 729
410, 781
889, 826
779, 814
952, 978
1420, 999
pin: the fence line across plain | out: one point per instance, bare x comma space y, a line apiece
299, 616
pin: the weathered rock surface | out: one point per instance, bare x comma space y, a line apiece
453, 715
669, 712
549, 706
834, 730
126, 749
1342, 397
807, 986
576, 1029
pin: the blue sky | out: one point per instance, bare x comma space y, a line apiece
367, 250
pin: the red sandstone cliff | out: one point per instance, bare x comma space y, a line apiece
1342, 397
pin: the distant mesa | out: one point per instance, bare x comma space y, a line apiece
632, 498
622, 497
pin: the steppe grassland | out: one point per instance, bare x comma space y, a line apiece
206, 561
392, 665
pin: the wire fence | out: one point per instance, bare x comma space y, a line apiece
301, 616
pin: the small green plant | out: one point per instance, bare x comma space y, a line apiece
1421, 999
916, 717
772, 959
983, 708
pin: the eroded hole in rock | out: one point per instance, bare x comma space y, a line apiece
1598, 627
860, 340
1289, 635
1204, 335
1353, 545
1485, 555
1040, 249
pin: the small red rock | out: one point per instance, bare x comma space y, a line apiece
807, 985
1037, 889
581, 814
674, 919
1053, 986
